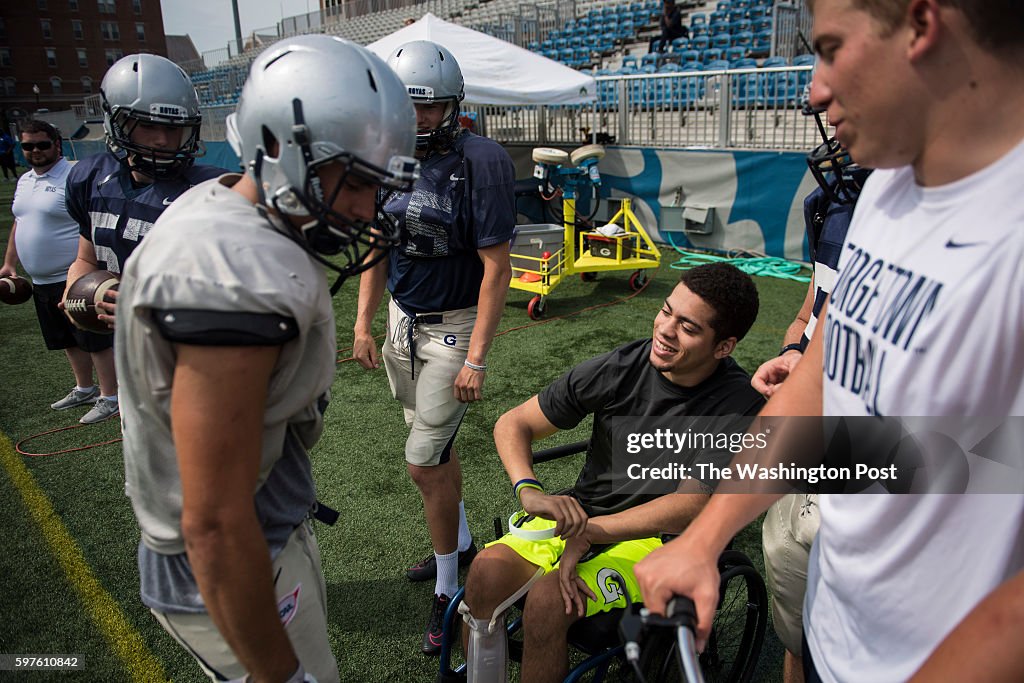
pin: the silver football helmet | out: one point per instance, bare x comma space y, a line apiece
316, 100
147, 88
431, 74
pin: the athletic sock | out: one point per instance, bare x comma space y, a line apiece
465, 538
447, 574
85, 389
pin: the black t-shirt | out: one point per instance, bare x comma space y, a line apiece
624, 383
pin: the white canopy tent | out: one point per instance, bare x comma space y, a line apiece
496, 72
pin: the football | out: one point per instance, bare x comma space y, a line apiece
15, 290
81, 298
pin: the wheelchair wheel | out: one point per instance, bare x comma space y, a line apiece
738, 630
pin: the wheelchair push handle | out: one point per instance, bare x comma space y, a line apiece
681, 616
682, 610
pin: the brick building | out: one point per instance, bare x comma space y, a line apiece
53, 53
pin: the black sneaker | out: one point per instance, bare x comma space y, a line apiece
426, 569
435, 628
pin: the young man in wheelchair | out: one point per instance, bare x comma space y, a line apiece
684, 370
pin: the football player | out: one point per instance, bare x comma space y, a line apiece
226, 348
151, 119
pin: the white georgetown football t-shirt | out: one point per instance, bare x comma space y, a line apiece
926, 319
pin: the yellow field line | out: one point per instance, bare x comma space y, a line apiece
122, 638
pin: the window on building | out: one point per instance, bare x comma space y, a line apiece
76, 29
137, 6
55, 85
112, 56
83, 59
73, 5
3, 28
47, 29
140, 32
41, 4
110, 30
106, 6
9, 86
5, 57
51, 57
86, 84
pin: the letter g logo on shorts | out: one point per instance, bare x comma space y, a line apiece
611, 584
449, 339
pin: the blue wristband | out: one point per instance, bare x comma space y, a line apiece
526, 484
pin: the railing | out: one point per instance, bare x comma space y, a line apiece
733, 108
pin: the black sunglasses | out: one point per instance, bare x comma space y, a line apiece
33, 146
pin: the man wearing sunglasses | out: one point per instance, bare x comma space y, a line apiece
44, 239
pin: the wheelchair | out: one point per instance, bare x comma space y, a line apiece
730, 656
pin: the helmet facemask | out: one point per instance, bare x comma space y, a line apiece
444, 135
159, 164
832, 166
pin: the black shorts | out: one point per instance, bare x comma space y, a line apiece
58, 332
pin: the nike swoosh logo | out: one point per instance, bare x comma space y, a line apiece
167, 201
958, 245
454, 179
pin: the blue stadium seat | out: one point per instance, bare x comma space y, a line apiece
651, 58
735, 53
718, 27
700, 43
716, 65
762, 43
740, 25
743, 39
699, 19
761, 24
780, 88
629, 61
690, 55
713, 54
680, 44
721, 40
803, 60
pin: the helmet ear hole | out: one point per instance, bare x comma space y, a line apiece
270, 144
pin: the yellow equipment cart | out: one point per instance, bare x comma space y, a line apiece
542, 255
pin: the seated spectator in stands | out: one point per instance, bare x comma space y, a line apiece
670, 23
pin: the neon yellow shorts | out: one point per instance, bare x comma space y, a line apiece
599, 573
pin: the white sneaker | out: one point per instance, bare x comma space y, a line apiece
104, 409
77, 398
